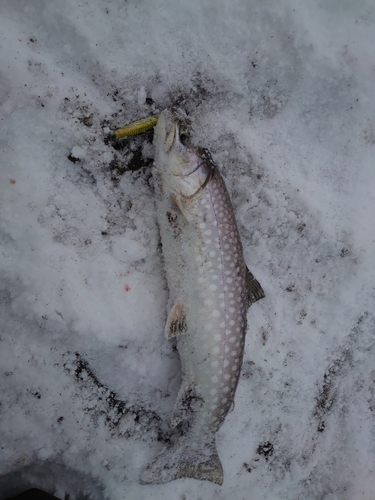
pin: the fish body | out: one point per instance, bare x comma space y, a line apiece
210, 290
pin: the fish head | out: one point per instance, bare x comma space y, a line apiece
184, 169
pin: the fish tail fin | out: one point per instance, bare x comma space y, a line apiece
180, 461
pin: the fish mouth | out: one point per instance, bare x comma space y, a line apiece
175, 123
175, 139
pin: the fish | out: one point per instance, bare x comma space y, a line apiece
210, 290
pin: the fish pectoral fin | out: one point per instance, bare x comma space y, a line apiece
184, 206
176, 322
254, 290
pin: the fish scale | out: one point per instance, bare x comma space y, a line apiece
210, 289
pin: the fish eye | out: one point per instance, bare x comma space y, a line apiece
183, 138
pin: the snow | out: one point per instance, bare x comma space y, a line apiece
282, 94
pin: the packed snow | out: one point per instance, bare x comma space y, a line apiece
282, 93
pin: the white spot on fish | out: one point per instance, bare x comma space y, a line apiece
232, 339
232, 309
202, 225
213, 391
233, 353
222, 324
226, 363
215, 363
226, 389
226, 376
229, 280
215, 313
214, 379
217, 337
224, 400
216, 350
212, 287
208, 302
208, 232
231, 322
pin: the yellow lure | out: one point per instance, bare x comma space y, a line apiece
137, 127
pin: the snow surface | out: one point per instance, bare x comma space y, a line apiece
282, 93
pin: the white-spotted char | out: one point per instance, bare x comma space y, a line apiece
210, 291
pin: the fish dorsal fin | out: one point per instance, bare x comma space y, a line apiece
254, 290
176, 322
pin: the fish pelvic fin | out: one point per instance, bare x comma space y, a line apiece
176, 322
202, 463
254, 289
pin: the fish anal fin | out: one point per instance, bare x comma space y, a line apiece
187, 402
183, 460
254, 290
176, 322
